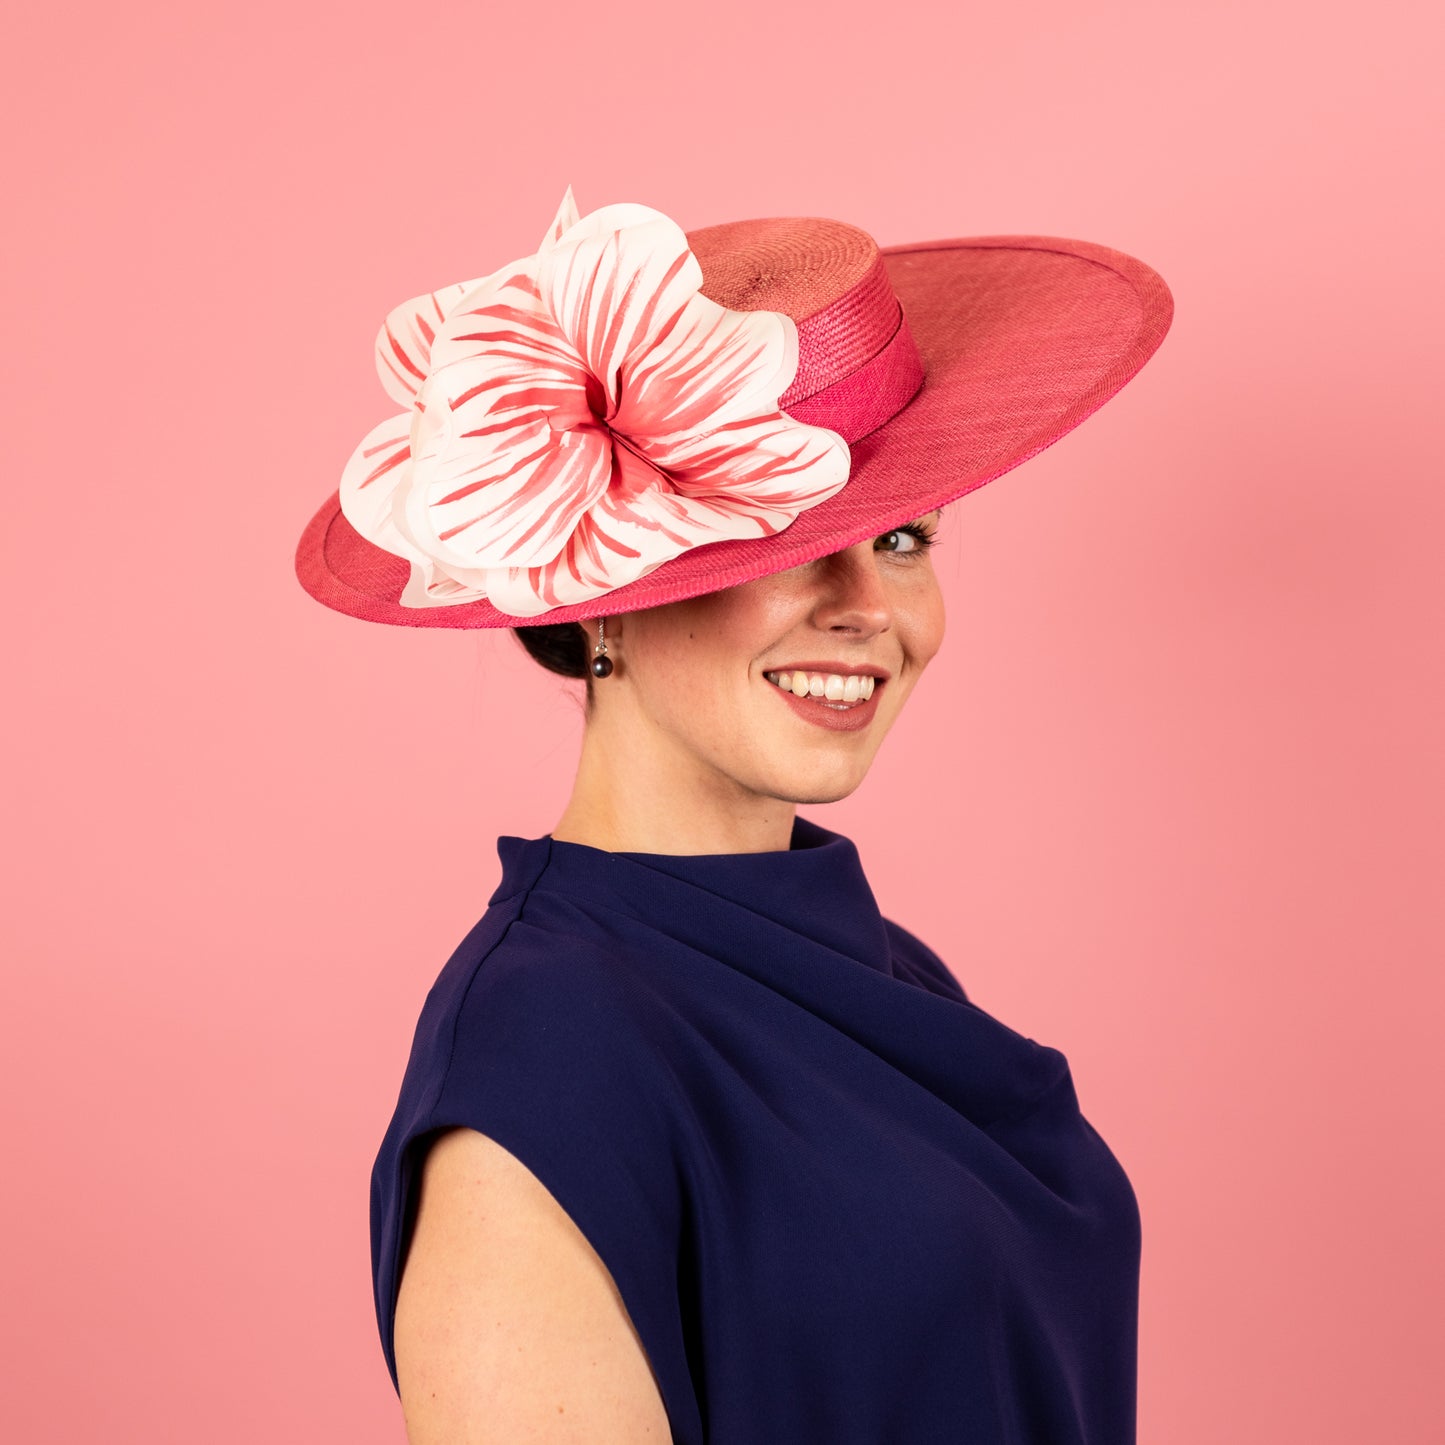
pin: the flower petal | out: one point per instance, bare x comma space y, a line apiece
628, 533
771, 461
404, 343
507, 450
565, 219
373, 485
510, 500
377, 469
616, 285
716, 367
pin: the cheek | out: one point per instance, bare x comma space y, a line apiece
724, 724
700, 691
708, 652
926, 627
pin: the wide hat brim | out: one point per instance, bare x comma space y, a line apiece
1021, 338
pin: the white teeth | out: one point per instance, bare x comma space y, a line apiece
831, 686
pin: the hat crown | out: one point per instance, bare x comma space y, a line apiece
858, 365
827, 275
799, 265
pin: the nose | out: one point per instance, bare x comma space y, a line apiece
852, 596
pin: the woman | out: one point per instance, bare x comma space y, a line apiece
693, 1143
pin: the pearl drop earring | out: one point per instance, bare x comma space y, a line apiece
601, 663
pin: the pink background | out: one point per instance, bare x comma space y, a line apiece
1173, 789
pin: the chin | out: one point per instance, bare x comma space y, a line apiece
821, 785
832, 795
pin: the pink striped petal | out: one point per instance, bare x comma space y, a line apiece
771, 460
508, 452
378, 468
717, 367
404, 343
373, 490
495, 485
565, 219
627, 534
618, 286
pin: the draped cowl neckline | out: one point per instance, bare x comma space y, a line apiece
803, 923
816, 887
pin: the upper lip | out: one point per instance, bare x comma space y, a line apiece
881, 673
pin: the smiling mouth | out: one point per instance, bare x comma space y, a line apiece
831, 690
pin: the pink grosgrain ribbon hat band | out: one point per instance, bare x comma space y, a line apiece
634, 416
858, 364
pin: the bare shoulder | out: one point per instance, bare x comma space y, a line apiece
508, 1325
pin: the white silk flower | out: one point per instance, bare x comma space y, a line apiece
579, 417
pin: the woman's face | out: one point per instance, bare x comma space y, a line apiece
697, 672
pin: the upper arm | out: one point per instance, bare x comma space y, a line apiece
509, 1326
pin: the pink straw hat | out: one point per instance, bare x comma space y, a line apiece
633, 416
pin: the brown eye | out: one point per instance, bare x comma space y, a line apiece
920, 537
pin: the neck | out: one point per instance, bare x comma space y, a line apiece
637, 791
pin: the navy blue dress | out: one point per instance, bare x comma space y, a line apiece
841, 1202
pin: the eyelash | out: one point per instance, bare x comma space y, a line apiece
926, 539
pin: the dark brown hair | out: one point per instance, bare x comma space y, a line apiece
561, 647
